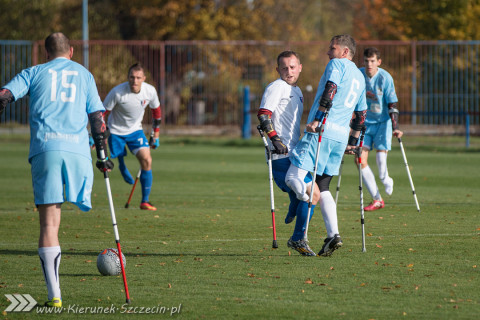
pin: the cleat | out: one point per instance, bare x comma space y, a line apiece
54, 303
389, 187
375, 205
301, 246
147, 206
330, 245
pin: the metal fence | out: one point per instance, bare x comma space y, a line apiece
201, 82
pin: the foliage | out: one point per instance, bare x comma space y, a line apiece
417, 20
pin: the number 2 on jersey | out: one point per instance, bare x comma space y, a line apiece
65, 85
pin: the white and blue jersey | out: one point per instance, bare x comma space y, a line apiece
350, 97
286, 104
380, 91
62, 94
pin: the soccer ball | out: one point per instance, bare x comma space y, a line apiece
108, 262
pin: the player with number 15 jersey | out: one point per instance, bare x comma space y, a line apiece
62, 94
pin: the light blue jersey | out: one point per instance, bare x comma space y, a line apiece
380, 92
62, 94
350, 97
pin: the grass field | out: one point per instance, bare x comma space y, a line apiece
206, 253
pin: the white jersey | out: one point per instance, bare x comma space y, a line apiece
286, 104
127, 108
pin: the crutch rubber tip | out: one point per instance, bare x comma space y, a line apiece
364, 250
126, 205
128, 301
274, 244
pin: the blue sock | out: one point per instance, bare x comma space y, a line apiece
124, 171
146, 179
301, 223
292, 209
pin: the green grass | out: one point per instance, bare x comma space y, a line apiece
208, 247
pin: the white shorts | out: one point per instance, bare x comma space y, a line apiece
329, 158
59, 176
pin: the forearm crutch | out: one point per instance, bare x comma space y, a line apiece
310, 200
270, 178
115, 229
339, 181
408, 173
360, 187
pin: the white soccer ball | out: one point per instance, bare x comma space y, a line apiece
108, 262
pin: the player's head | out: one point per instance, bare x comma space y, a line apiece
289, 67
342, 46
136, 77
371, 61
58, 45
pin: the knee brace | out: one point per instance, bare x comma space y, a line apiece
323, 182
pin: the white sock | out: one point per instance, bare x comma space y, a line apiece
369, 181
329, 213
50, 261
295, 180
382, 167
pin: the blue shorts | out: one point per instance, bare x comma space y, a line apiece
279, 170
379, 135
59, 176
329, 158
135, 141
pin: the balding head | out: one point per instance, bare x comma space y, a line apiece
58, 45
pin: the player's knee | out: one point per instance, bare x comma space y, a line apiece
323, 182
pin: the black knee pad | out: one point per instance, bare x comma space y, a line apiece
323, 182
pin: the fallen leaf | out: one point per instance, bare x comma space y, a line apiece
308, 281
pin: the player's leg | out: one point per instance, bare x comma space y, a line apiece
327, 202
367, 173
279, 170
138, 145
124, 170
48, 194
295, 180
117, 146
383, 144
49, 251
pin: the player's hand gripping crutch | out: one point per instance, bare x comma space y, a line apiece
114, 221
408, 173
320, 130
360, 187
270, 178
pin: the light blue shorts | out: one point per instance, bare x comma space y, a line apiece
279, 170
378, 135
59, 176
135, 141
329, 158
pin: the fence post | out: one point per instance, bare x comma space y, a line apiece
467, 130
246, 130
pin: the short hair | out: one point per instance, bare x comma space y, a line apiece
346, 40
57, 44
287, 54
136, 67
371, 52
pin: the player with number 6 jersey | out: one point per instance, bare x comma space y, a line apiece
341, 92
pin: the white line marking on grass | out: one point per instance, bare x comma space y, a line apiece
66, 243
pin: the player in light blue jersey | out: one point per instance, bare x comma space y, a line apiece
63, 98
341, 90
382, 122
